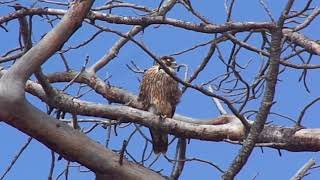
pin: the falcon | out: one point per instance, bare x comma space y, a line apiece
160, 94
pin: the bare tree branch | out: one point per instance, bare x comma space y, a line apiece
302, 172
267, 102
16, 158
51, 132
241, 63
122, 41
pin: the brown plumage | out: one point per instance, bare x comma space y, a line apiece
160, 94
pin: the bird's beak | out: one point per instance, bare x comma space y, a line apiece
174, 65
178, 66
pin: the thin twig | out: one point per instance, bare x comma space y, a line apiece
217, 103
16, 158
52, 165
75, 77
123, 149
305, 109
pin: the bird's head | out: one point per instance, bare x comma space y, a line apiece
170, 62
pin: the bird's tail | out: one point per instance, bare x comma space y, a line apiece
159, 141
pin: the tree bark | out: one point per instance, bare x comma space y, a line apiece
56, 135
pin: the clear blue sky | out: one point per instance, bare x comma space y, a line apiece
290, 97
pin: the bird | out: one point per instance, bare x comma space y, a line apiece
160, 94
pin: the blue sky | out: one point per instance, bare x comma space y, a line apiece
291, 96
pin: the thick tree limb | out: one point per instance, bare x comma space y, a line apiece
303, 41
148, 20
218, 129
53, 133
225, 127
111, 93
296, 37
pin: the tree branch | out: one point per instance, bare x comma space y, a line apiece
53, 133
271, 78
302, 172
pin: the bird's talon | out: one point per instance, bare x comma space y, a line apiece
162, 117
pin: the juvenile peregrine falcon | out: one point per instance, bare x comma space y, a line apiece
160, 94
